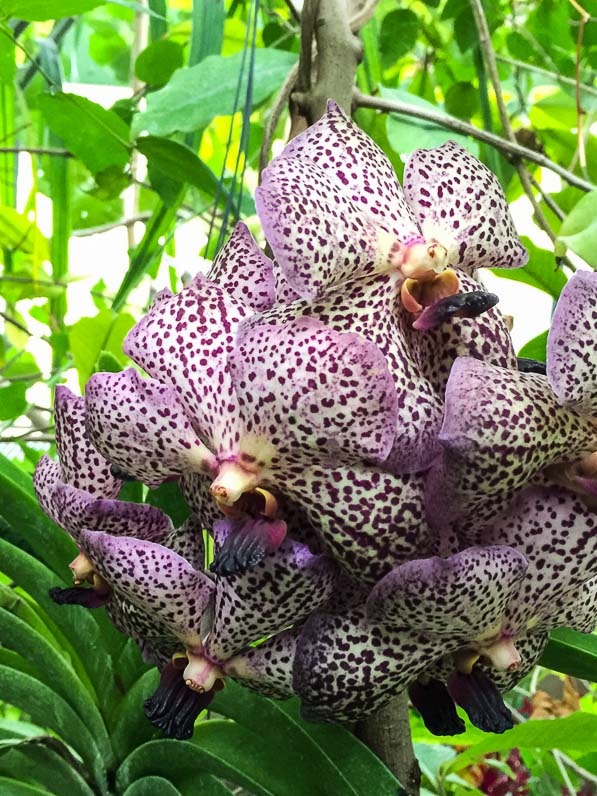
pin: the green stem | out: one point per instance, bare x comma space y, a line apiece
489, 154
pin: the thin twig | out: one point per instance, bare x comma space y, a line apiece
584, 18
509, 148
572, 764
37, 150
16, 324
563, 773
553, 206
566, 81
121, 222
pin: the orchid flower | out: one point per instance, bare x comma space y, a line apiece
502, 428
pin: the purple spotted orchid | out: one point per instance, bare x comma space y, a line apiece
331, 418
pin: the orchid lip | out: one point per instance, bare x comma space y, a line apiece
232, 481
82, 569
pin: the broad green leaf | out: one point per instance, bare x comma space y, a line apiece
55, 673
169, 499
334, 758
152, 786
178, 761
35, 760
178, 163
10, 728
13, 400
34, 10
406, 133
398, 33
462, 100
131, 728
575, 733
535, 348
195, 96
11, 600
89, 337
541, 271
12, 787
95, 135
19, 233
78, 624
157, 63
572, 653
107, 363
22, 512
579, 229
47, 708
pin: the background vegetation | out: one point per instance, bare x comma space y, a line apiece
107, 194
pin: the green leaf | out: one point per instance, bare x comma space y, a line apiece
95, 135
573, 653
19, 233
405, 133
19, 507
195, 96
11, 787
169, 499
55, 673
462, 100
574, 733
181, 761
77, 624
579, 229
535, 348
157, 63
89, 337
39, 10
107, 363
541, 271
47, 708
152, 786
397, 36
34, 760
178, 163
13, 400
131, 727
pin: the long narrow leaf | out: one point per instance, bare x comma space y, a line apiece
48, 768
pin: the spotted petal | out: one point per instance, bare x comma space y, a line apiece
347, 667
48, 474
314, 393
154, 579
318, 234
358, 167
267, 668
81, 464
501, 427
184, 341
140, 425
571, 347
461, 596
459, 202
244, 271
287, 585
530, 648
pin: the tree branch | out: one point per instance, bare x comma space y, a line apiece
565, 81
509, 148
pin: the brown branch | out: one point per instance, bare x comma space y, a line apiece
566, 81
509, 148
387, 733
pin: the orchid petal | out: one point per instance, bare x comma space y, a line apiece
283, 588
319, 236
436, 706
173, 707
82, 465
369, 520
459, 203
312, 392
156, 641
47, 476
80, 511
575, 608
244, 271
187, 541
462, 596
246, 545
346, 667
571, 348
493, 411
481, 699
358, 167
267, 668
530, 648
153, 578
78, 595
285, 294
461, 305
184, 341
140, 425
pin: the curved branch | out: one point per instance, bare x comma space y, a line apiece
510, 149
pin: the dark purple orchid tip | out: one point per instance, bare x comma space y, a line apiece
460, 305
436, 707
122, 475
246, 545
173, 707
531, 366
479, 696
78, 595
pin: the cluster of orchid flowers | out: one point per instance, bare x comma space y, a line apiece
395, 501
